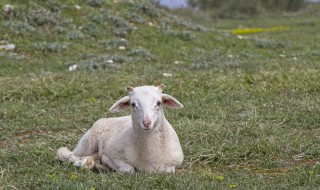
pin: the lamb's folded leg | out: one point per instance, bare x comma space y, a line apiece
64, 154
117, 164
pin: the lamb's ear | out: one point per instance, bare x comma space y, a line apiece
121, 104
171, 102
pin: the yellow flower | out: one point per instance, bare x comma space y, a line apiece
242, 31
93, 99
220, 178
74, 176
52, 176
232, 186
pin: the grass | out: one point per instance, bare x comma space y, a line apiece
251, 116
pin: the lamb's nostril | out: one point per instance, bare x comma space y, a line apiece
147, 123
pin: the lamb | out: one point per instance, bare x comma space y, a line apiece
144, 141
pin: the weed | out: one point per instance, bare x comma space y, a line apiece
42, 17
12, 56
95, 3
184, 35
269, 44
92, 30
101, 62
97, 18
122, 27
133, 17
115, 43
75, 35
20, 27
149, 10
54, 47
214, 59
142, 53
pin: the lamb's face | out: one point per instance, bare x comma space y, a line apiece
146, 104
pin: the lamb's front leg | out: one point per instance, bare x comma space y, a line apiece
170, 169
64, 154
160, 169
117, 164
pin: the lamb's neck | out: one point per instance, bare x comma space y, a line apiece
148, 141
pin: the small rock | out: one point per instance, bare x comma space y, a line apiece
8, 46
110, 61
73, 67
122, 48
240, 37
167, 74
77, 7
7, 8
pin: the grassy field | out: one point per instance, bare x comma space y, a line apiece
252, 101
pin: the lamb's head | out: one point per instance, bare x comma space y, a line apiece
146, 105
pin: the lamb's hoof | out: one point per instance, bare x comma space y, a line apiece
87, 163
126, 169
63, 154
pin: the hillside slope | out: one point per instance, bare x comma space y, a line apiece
55, 34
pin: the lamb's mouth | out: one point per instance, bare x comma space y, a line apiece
146, 129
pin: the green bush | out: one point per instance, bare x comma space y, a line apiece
234, 7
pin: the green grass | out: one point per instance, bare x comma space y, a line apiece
252, 103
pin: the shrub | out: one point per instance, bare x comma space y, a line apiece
133, 17
150, 10
75, 35
143, 53
95, 3
122, 27
53, 47
114, 43
96, 18
19, 27
92, 30
41, 17
183, 35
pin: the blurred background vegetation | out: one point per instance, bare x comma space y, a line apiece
240, 8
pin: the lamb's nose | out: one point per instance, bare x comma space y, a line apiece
147, 123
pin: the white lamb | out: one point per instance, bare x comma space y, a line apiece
144, 141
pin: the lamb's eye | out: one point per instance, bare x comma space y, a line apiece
158, 103
133, 105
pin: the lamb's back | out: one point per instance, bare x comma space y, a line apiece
106, 128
